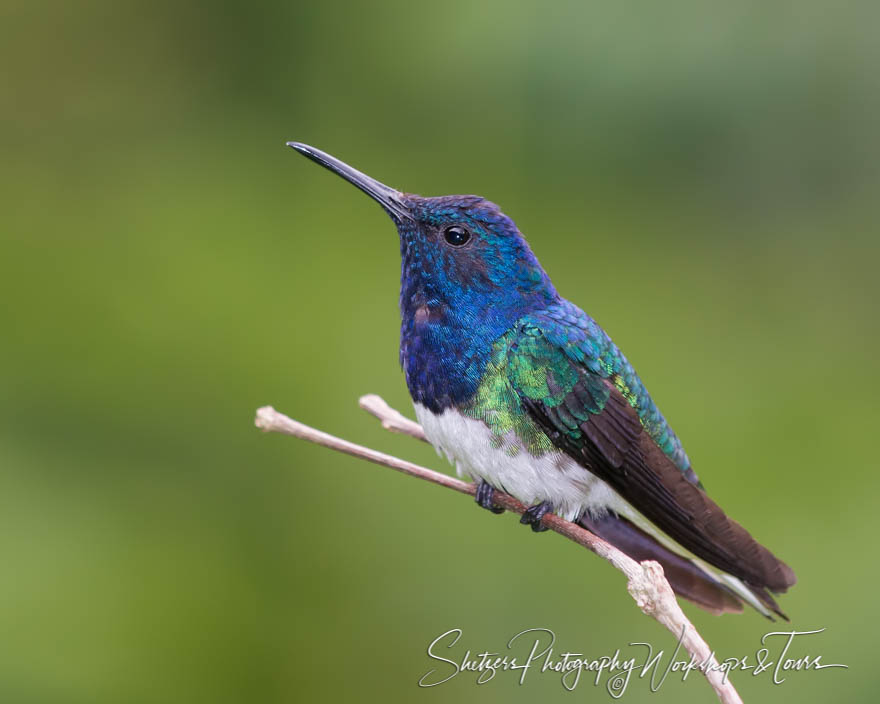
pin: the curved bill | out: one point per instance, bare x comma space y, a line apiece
387, 197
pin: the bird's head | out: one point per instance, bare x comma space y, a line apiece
457, 250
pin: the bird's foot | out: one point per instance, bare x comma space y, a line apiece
532, 516
484, 495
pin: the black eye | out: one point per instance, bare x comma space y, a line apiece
456, 236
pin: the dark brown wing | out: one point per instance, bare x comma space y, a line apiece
594, 424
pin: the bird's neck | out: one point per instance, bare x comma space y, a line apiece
446, 337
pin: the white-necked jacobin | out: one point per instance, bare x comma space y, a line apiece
525, 393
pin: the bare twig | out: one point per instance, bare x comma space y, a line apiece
645, 581
392, 420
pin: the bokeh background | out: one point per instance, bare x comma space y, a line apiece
702, 178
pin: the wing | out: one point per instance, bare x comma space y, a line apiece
592, 417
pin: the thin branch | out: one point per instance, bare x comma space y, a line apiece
391, 419
645, 581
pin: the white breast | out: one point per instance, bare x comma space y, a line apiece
507, 465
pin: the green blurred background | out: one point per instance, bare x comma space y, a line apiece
702, 178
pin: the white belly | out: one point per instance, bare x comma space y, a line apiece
553, 477
470, 445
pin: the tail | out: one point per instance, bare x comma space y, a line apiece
691, 579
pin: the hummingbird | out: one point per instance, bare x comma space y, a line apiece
524, 393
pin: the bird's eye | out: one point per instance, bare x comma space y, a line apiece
456, 236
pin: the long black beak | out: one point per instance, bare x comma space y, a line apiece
387, 197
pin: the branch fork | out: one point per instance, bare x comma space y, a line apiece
646, 583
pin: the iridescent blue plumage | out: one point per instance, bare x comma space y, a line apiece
526, 393
455, 303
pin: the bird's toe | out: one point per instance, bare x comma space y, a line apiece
532, 516
484, 497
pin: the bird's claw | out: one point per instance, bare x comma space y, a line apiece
484, 495
532, 516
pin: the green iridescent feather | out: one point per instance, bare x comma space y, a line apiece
543, 357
